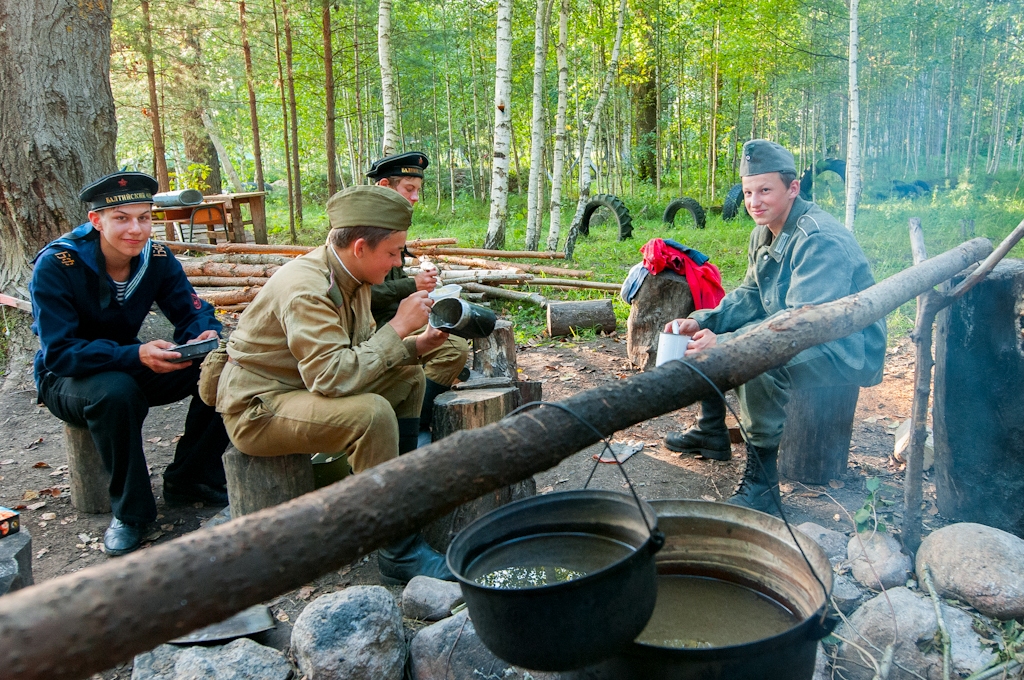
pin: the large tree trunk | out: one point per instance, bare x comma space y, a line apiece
57, 122
558, 166
257, 153
537, 128
592, 125
645, 98
199, 148
329, 132
159, 152
853, 146
389, 101
502, 128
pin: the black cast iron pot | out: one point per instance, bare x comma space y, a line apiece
745, 547
565, 625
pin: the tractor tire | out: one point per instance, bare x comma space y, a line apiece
688, 204
617, 208
923, 186
836, 165
733, 206
806, 184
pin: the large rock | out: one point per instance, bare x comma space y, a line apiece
242, 659
847, 593
15, 561
876, 558
430, 599
983, 566
353, 634
451, 649
916, 649
832, 542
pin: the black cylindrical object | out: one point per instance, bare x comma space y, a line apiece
183, 198
458, 317
566, 625
746, 547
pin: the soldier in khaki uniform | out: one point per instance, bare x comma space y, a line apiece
309, 372
798, 255
404, 174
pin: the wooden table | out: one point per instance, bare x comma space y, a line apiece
207, 214
256, 201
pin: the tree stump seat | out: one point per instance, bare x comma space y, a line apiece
815, 446
661, 299
90, 481
258, 482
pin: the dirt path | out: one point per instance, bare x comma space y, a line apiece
33, 465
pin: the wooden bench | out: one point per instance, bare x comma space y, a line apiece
90, 481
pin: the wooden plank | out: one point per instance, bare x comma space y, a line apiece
17, 303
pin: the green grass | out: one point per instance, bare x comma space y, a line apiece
995, 204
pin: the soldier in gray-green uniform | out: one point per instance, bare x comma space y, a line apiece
798, 255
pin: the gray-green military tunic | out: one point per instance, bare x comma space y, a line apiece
813, 260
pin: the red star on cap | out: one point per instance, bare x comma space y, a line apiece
123, 182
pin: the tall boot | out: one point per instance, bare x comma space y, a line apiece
408, 434
710, 438
410, 556
759, 488
432, 392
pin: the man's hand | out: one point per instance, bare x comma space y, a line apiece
154, 356
205, 335
702, 339
426, 280
429, 340
412, 313
686, 326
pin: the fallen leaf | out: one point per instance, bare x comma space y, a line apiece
154, 440
53, 491
9, 461
36, 506
42, 552
29, 494
41, 464
167, 527
84, 538
306, 592
163, 443
708, 498
19, 506
281, 616
48, 516
34, 444
785, 488
836, 483
870, 421
546, 489
153, 535
836, 517
934, 510
175, 440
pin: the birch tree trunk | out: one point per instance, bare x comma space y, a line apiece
389, 143
257, 152
537, 128
159, 151
588, 146
502, 128
296, 184
558, 165
330, 140
853, 146
51, 145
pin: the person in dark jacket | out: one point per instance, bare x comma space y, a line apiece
404, 174
798, 255
91, 290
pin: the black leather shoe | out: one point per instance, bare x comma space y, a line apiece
121, 538
409, 557
759, 487
713, 445
181, 494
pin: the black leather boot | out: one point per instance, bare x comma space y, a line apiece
759, 488
710, 438
408, 434
432, 392
409, 557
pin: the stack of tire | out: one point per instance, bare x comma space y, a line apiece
623, 220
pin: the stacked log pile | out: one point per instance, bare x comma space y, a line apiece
230, 275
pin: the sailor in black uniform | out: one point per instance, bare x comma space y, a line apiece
91, 290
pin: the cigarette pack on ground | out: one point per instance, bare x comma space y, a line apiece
10, 522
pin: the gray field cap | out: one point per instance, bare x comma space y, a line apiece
761, 156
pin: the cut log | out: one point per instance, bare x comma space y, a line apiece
495, 355
227, 281
492, 278
530, 390
569, 283
532, 268
257, 482
224, 269
661, 299
815, 445
90, 481
510, 254
230, 297
64, 636
249, 258
467, 410
240, 307
502, 294
566, 318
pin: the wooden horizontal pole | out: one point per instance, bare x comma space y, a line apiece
256, 248
513, 254
570, 283
81, 623
17, 303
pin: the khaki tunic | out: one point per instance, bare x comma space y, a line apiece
309, 372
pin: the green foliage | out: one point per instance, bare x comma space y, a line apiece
867, 518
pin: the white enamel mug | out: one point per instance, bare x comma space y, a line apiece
670, 347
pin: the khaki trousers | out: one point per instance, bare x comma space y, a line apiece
444, 364
365, 426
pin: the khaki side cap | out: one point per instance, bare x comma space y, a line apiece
369, 206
